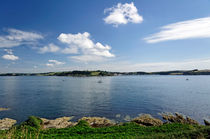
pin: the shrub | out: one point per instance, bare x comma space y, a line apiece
83, 123
33, 122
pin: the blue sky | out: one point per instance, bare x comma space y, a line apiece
113, 35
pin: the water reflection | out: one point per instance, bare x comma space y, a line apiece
8, 87
115, 98
85, 96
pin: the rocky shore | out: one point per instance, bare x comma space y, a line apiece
142, 120
7, 123
62, 122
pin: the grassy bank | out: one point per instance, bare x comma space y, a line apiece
32, 128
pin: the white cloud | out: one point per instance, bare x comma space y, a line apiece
197, 28
72, 50
86, 49
122, 14
10, 57
9, 51
53, 63
17, 37
56, 62
49, 48
49, 64
87, 58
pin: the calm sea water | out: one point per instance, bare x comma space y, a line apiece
53, 97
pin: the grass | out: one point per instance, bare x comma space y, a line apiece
30, 130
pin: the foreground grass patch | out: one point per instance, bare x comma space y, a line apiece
31, 129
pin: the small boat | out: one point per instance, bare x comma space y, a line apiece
99, 81
187, 79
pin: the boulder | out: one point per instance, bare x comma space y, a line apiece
98, 121
7, 123
147, 120
191, 121
62, 122
127, 118
118, 115
206, 122
178, 118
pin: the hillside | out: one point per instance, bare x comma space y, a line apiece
107, 73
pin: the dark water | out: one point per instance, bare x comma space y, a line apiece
53, 97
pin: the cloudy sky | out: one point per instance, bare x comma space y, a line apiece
113, 35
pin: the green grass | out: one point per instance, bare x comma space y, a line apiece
94, 73
33, 122
127, 130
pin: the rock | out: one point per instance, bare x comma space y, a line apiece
147, 120
178, 118
4, 109
62, 122
127, 118
7, 123
118, 116
98, 121
168, 117
191, 121
206, 122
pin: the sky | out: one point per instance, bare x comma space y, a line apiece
112, 35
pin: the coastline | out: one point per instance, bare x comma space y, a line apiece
108, 73
95, 127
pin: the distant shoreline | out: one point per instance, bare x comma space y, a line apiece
107, 73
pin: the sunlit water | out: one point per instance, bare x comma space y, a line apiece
53, 97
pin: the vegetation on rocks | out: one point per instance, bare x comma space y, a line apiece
96, 127
178, 118
33, 122
62, 122
147, 120
97, 121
